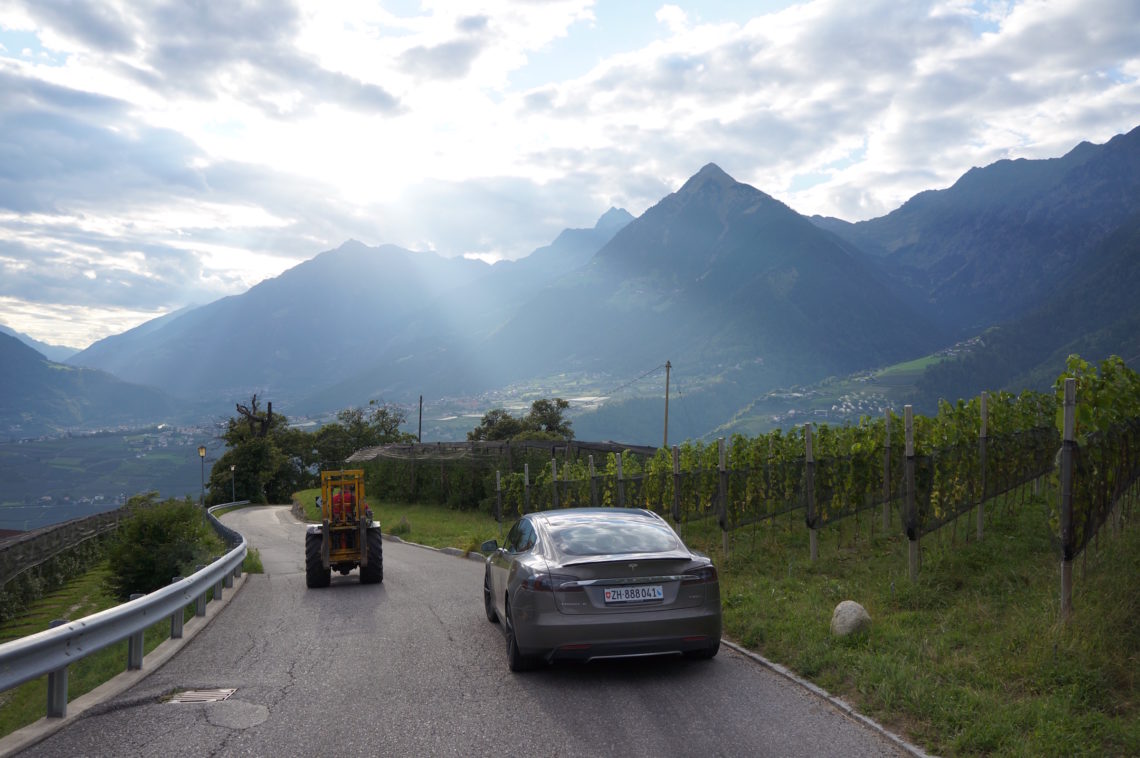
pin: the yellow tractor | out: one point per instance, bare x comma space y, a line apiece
347, 537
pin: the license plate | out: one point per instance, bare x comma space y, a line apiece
634, 593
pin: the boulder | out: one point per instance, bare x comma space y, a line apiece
850, 618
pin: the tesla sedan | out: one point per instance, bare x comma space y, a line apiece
590, 583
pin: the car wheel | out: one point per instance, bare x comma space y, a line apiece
516, 661
488, 600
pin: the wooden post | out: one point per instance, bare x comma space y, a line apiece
911, 506
676, 484
1068, 548
553, 480
887, 475
593, 484
809, 487
722, 467
982, 441
499, 499
620, 482
526, 488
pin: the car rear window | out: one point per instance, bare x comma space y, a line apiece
599, 535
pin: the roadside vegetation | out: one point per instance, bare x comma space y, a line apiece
970, 659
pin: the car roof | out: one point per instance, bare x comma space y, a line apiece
566, 513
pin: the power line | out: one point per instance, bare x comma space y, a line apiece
635, 381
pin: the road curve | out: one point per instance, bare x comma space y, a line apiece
411, 667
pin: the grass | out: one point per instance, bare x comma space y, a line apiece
421, 523
81, 597
969, 660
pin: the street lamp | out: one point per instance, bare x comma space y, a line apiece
233, 490
202, 455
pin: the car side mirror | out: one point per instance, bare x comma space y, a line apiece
489, 546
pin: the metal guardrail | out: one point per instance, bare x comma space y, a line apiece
51, 651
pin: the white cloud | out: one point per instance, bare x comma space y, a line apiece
154, 142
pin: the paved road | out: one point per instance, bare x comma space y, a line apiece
412, 668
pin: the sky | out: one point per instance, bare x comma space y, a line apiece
159, 155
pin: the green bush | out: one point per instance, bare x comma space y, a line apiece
158, 542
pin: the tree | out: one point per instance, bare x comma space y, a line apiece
271, 460
157, 542
356, 429
543, 422
546, 416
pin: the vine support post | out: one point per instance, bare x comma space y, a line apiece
553, 481
911, 507
526, 488
887, 474
722, 491
809, 487
593, 484
1068, 448
676, 484
499, 501
982, 440
620, 482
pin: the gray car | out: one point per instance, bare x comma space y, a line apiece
590, 583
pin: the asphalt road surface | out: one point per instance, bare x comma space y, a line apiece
411, 667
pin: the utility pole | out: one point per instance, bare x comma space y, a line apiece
420, 429
668, 367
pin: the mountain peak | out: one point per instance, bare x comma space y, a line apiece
711, 174
614, 218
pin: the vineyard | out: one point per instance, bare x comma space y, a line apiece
920, 472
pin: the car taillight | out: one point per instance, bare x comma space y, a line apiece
703, 575
551, 582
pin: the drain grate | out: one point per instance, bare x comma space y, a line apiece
200, 696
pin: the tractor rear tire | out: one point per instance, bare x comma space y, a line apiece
316, 575
373, 573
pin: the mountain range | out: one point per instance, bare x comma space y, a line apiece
740, 292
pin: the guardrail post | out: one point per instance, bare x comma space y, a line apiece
176, 618
57, 686
218, 589
200, 607
228, 581
135, 644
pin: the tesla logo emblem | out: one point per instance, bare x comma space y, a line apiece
632, 566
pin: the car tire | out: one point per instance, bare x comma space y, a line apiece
316, 575
488, 600
373, 573
516, 661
